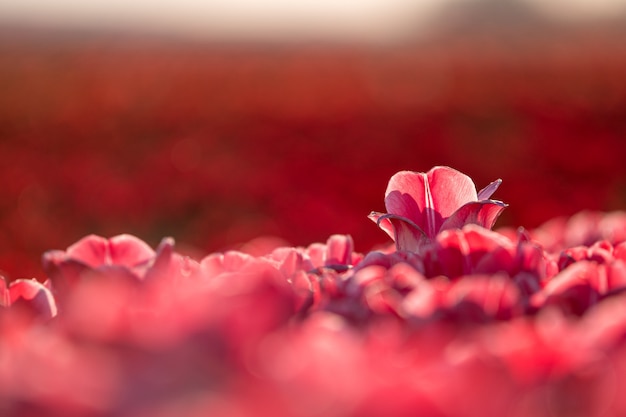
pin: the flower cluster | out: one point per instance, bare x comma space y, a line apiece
453, 319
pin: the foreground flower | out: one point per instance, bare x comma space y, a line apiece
461, 320
421, 205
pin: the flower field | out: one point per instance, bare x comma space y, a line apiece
184, 231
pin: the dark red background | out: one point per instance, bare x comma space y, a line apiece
215, 145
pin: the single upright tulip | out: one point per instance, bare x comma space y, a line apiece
420, 205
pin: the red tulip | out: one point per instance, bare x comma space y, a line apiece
337, 253
421, 205
28, 295
480, 297
476, 250
123, 256
600, 252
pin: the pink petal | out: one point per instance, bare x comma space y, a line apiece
579, 273
235, 261
530, 256
482, 213
470, 250
616, 275
498, 259
219, 263
496, 295
212, 265
182, 267
129, 250
91, 250
375, 258
407, 235
369, 275
160, 264
64, 273
339, 250
619, 252
489, 250
34, 295
408, 195
384, 224
290, 261
382, 300
316, 253
303, 290
422, 301
429, 198
450, 190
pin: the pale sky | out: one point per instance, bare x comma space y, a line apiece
368, 20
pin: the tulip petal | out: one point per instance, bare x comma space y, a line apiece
483, 213
488, 191
316, 252
129, 250
91, 250
159, 264
495, 295
62, 271
450, 190
339, 250
470, 250
96, 256
407, 235
33, 295
385, 223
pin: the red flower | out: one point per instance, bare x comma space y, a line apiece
421, 205
28, 295
476, 250
123, 256
338, 253
582, 285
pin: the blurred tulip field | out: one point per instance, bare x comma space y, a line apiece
217, 145
184, 226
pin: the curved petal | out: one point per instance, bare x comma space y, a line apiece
316, 253
450, 190
496, 295
386, 225
583, 272
160, 264
62, 271
470, 250
408, 195
407, 235
91, 250
339, 250
483, 213
33, 295
129, 250
488, 191
429, 198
